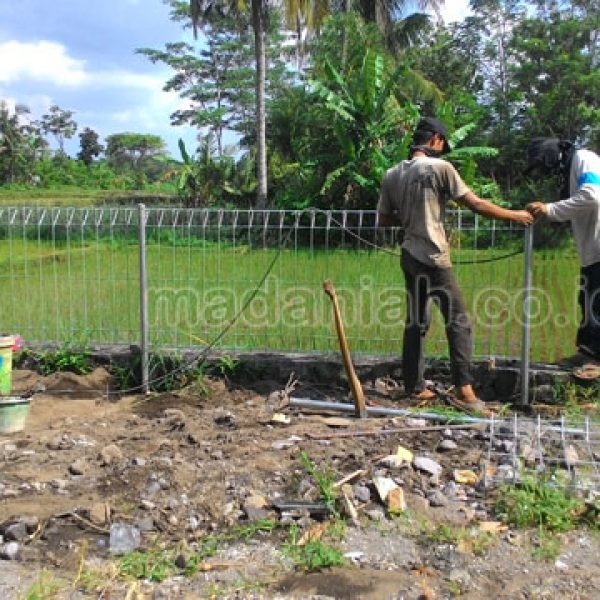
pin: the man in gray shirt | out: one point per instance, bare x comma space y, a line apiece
413, 196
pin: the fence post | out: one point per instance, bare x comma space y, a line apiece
143, 297
526, 339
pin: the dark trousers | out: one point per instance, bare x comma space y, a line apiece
425, 284
588, 335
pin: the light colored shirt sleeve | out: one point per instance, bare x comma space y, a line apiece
454, 185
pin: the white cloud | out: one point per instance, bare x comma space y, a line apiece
455, 10
40, 61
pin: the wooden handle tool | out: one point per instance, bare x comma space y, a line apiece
355, 386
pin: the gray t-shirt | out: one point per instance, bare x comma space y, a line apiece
416, 192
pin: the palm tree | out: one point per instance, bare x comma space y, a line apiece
385, 12
311, 12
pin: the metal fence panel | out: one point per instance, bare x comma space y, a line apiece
72, 274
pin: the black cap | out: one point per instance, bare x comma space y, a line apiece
544, 154
434, 125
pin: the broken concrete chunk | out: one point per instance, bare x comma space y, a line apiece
465, 476
428, 465
405, 454
384, 485
395, 500
281, 419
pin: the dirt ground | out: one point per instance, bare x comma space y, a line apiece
203, 461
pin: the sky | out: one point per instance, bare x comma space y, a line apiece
81, 57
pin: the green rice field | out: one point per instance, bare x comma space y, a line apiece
88, 291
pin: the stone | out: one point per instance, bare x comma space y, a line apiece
124, 538
152, 488
428, 465
375, 514
99, 513
437, 498
77, 468
110, 454
10, 551
59, 484
31, 523
15, 532
145, 525
414, 423
392, 461
447, 445
362, 493
461, 577
255, 501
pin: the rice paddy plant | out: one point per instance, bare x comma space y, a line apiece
195, 290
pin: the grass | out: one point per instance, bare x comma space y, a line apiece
157, 564
324, 480
45, 587
52, 290
313, 555
467, 540
69, 196
538, 503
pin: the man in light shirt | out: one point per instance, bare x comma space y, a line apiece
579, 173
413, 196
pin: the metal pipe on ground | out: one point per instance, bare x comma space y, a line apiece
384, 411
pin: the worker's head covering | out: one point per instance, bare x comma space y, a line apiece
433, 125
551, 157
547, 155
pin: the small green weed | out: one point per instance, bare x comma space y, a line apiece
470, 540
578, 400
46, 587
547, 547
169, 372
536, 502
314, 555
67, 357
324, 478
245, 532
227, 365
154, 565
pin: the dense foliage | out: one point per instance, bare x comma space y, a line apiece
341, 100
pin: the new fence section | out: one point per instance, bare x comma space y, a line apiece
72, 274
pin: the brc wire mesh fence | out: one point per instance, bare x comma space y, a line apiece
71, 274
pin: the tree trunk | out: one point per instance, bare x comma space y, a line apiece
347, 10
258, 23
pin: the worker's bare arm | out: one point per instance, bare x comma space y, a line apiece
493, 211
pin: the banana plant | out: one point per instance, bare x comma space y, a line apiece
370, 123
